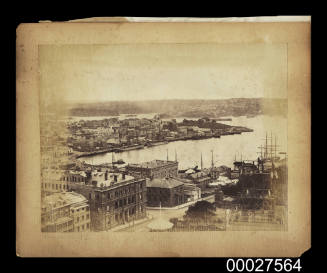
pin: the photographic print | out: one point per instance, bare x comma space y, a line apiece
164, 138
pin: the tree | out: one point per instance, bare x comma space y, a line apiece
201, 210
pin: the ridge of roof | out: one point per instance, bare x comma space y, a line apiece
163, 183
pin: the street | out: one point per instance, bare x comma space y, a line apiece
154, 215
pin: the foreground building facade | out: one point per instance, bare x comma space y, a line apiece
65, 212
166, 192
114, 198
154, 169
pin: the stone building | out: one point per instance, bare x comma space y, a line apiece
114, 198
200, 179
58, 180
65, 212
154, 169
167, 192
191, 192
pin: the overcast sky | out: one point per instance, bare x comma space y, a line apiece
163, 71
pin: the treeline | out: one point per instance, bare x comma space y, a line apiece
204, 123
184, 108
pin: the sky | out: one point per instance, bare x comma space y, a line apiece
89, 73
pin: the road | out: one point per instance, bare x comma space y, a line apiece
156, 214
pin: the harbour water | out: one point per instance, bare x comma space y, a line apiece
225, 148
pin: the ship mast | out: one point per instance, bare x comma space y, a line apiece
266, 147
201, 162
271, 147
212, 165
167, 154
112, 158
261, 148
275, 146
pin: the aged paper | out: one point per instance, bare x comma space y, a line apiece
112, 128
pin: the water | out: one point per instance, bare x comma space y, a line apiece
120, 117
224, 149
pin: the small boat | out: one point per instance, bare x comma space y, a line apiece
119, 161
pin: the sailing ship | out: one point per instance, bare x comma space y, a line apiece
119, 161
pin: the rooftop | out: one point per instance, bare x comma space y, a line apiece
167, 183
153, 164
101, 181
62, 198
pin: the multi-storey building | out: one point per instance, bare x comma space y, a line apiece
58, 180
114, 198
154, 169
65, 212
166, 192
191, 192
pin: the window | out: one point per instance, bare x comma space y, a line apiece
77, 219
77, 228
83, 218
56, 186
87, 225
87, 216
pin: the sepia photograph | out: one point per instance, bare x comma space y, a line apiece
164, 137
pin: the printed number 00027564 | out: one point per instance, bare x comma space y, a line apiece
263, 265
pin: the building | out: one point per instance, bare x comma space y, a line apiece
201, 179
191, 192
114, 198
154, 169
65, 212
58, 180
167, 192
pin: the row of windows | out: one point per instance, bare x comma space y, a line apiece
123, 202
72, 179
82, 209
52, 186
127, 213
83, 227
117, 193
165, 173
87, 217
64, 225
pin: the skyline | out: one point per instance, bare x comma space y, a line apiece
141, 72
108, 101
